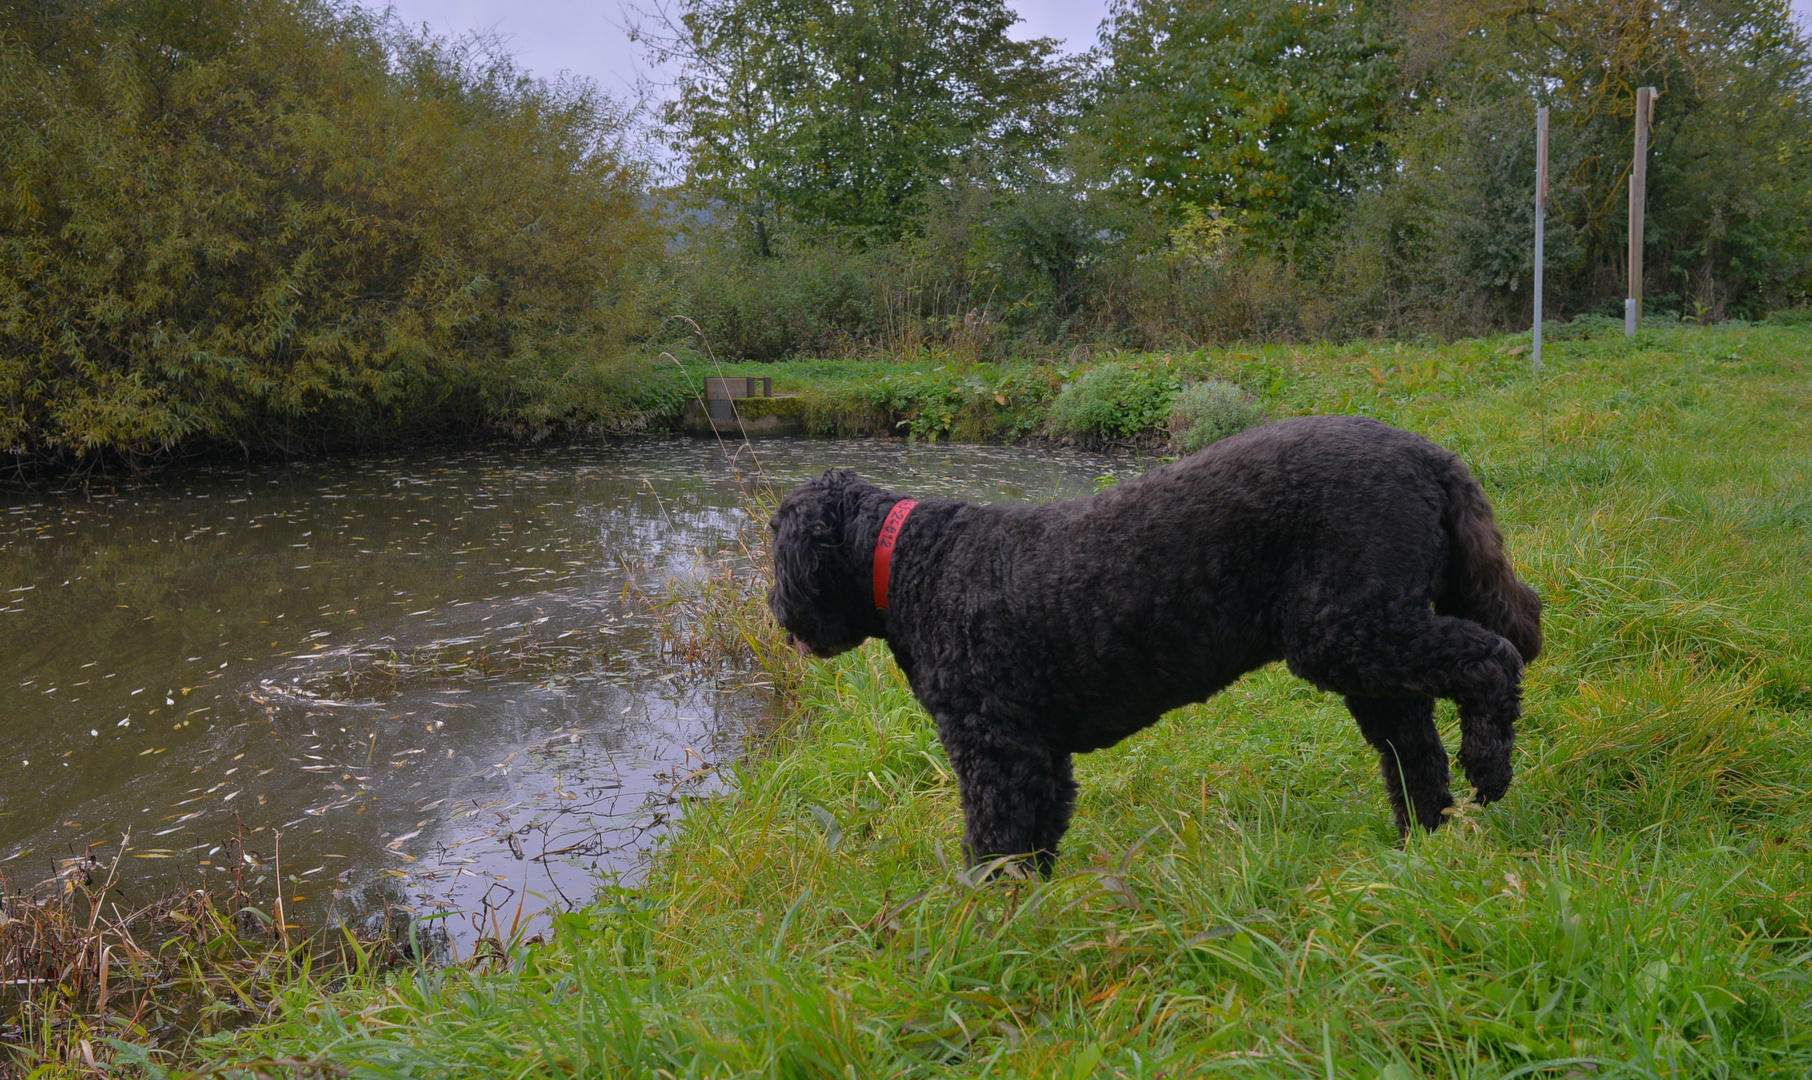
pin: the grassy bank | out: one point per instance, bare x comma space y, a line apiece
1232, 898
938, 394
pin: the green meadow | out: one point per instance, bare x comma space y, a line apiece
1232, 898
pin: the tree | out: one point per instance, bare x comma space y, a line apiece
840, 116
1275, 110
1730, 172
282, 222
1387, 149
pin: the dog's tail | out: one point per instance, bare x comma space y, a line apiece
1481, 585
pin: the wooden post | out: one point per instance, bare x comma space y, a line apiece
1645, 115
1541, 214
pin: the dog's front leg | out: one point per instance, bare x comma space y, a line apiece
1017, 792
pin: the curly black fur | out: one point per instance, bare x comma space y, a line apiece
1364, 556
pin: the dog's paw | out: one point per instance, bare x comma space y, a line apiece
1491, 787
1490, 778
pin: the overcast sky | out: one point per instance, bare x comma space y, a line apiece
586, 36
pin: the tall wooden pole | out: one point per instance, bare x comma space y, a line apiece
1541, 215
1645, 115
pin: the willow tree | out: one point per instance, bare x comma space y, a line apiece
278, 222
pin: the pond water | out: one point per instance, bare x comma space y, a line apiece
418, 682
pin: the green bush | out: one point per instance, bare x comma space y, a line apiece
290, 223
983, 403
1209, 411
738, 306
1115, 401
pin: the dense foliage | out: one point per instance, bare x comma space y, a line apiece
1448, 241
1313, 168
1275, 112
292, 223
839, 117
287, 223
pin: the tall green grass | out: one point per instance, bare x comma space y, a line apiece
1232, 899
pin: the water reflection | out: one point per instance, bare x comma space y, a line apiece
412, 682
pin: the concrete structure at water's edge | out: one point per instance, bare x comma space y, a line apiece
743, 405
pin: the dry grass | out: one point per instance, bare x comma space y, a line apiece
88, 968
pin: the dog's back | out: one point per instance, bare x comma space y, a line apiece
1162, 590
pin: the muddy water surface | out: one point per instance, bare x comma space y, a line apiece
417, 681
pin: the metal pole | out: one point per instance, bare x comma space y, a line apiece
1645, 115
1541, 215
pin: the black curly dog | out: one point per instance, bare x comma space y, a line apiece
1364, 556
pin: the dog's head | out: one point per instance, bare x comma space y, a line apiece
821, 595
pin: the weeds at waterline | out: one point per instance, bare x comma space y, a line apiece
718, 617
87, 970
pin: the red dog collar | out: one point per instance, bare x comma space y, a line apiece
890, 532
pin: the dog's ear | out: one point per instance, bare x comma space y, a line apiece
816, 595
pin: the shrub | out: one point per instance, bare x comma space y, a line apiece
1209, 411
1115, 401
820, 302
285, 223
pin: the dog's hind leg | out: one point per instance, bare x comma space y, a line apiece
1054, 817
1410, 756
1390, 651
1017, 793
1487, 737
